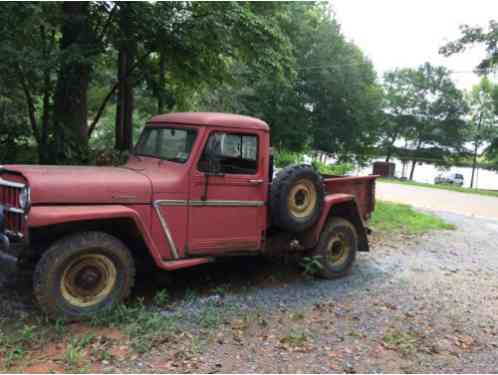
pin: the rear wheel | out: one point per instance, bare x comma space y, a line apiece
336, 249
83, 274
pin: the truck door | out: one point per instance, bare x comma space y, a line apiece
227, 211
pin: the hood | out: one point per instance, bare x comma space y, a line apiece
84, 185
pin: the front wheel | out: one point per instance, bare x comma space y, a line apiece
336, 249
82, 274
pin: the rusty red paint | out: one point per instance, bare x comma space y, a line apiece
226, 120
63, 194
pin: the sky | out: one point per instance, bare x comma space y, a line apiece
407, 33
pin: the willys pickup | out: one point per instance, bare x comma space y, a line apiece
198, 186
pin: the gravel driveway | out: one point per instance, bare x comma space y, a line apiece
414, 304
425, 304
439, 199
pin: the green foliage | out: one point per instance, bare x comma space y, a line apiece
287, 63
393, 217
296, 337
161, 298
477, 35
483, 118
403, 341
338, 169
14, 345
329, 101
210, 316
146, 327
311, 265
282, 158
424, 108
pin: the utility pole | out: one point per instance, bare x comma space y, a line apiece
476, 146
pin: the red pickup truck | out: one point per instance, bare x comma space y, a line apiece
198, 186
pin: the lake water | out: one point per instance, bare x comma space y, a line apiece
425, 172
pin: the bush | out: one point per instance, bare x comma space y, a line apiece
332, 169
282, 158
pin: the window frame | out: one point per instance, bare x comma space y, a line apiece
167, 126
238, 133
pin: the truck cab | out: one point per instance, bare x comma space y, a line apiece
201, 207
197, 187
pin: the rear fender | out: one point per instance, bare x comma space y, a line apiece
337, 205
44, 216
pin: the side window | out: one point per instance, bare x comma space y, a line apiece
236, 153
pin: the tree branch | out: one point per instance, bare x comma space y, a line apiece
107, 23
31, 105
102, 106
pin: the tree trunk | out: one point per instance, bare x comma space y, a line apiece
43, 149
70, 106
124, 109
476, 147
161, 82
414, 161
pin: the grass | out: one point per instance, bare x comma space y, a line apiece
404, 342
490, 193
296, 337
395, 217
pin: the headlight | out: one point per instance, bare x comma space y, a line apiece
24, 198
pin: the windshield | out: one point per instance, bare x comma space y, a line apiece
166, 143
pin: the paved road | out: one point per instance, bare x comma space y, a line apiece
440, 200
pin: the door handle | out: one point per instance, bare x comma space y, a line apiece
256, 182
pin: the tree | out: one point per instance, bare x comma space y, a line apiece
485, 91
344, 98
96, 70
477, 35
329, 101
28, 49
397, 105
427, 109
482, 118
77, 50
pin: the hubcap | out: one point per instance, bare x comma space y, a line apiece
88, 280
337, 249
302, 199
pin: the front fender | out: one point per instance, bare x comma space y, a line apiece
41, 216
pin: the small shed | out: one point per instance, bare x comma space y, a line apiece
385, 169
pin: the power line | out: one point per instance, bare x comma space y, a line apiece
459, 71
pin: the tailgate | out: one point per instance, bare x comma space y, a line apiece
362, 187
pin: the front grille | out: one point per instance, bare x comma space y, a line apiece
9, 199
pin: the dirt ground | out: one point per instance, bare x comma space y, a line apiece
438, 199
413, 304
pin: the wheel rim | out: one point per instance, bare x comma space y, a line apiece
88, 280
338, 249
302, 199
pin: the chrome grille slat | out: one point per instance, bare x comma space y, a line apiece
13, 184
14, 214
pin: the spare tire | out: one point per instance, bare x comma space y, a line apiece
296, 198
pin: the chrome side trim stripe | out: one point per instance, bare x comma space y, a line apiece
11, 184
179, 202
171, 202
14, 210
227, 203
165, 227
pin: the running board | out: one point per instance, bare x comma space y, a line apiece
185, 263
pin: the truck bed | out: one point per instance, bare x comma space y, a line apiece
362, 187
